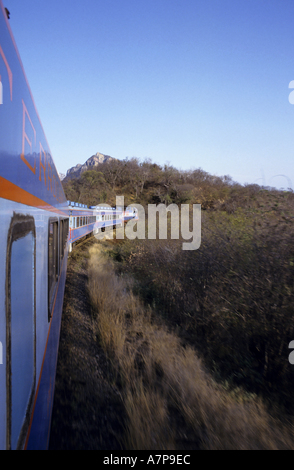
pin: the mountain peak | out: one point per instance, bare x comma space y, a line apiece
92, 162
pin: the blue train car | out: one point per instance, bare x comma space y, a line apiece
96, 219
81, 222
33, 258
131, 212
38, 227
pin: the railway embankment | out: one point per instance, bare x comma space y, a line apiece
87, 407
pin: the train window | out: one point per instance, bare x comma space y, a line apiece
63, 234
61, 247
52, 262
21, 328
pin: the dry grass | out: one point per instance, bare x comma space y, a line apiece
170, 400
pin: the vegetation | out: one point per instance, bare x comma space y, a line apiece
174, 315
170, 401
232, 299
147, 183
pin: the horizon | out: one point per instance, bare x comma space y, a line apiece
200, 84
189, 169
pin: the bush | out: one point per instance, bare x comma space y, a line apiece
171, 402
232, 298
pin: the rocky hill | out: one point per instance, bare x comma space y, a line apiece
95, 160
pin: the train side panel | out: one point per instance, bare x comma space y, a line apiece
27, 171
40, 426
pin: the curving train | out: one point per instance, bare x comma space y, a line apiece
38, 227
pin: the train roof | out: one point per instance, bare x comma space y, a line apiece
78, 205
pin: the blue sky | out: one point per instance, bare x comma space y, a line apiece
197, 83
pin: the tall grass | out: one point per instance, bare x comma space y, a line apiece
171, 402
232, 299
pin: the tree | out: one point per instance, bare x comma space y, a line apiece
111, 171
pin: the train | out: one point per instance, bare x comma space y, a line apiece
84, 221
38, 229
